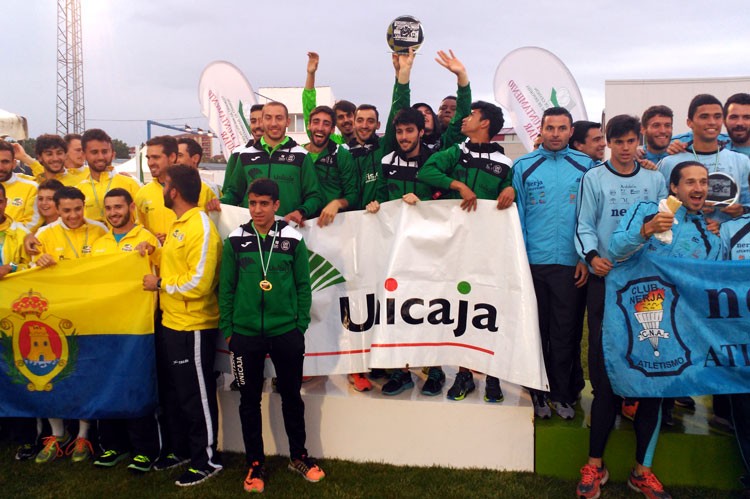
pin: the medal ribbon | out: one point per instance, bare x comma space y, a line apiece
264, 265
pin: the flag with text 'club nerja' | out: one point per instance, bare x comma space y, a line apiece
76, 340
675, 327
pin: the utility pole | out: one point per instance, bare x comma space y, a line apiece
71, 112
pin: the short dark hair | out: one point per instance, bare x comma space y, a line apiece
581, 130
741, 98
186, 180
49, 141
256, 107
277, 103
368, 107
67, 192
323, 109
435, 122
50, 185
557, 111
621, 125
409, 116
7, 146
654, 111
193, 147
68, 138
490, 112
94, 134
264, 187
119, 192
702, 100
676, 174
450, 97
344, 106
167, 143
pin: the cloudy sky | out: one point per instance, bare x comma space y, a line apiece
143, 59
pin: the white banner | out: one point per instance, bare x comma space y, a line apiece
420, 285
531, 79
225, 97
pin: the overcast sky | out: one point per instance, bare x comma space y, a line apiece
143, 59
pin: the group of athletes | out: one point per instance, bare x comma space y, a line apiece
574, 227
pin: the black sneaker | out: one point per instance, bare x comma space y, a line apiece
399, 382
169, 461
308, 468
194, 476
378, 373
492, 391
26, 452
667, 416
141, 464
110, 458
685, 402
463, 386
541, 409
434, 383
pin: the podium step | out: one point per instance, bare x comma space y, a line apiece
690, 453
406, 429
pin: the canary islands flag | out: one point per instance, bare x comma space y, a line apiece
76, 340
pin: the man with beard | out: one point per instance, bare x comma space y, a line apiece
161, 153
476, 169
51, 151
587, 138
343, 109
656, 128
278, 157
116, 436
546, 182
188, 264
20, 190
97, 146
256, 130
333, 165
705, 118
190, 152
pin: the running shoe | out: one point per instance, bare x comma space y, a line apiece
79, 450
463, 386
52, 448
562, 409
592, 480
360, 382
685, 402
629, 408
492, 391
434, 383
194, 476
255, 481
141, 464
648, 485
26, 452
307, 467
399, 382
110, 458
541, 409
169, 461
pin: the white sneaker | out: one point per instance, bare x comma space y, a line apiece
541, 409
562, 409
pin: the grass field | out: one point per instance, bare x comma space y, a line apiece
63, 479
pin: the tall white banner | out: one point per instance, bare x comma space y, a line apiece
421, 285
531, 79
226, 97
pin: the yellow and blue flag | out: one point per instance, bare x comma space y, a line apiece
76, 340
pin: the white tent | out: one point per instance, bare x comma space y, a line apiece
13, 125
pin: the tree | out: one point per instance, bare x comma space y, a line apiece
29, 145
122, 150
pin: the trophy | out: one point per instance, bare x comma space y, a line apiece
403, 33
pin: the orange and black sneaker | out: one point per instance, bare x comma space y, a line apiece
629, 408
307, 467
648, 485
592, 479
255, 481
360, 382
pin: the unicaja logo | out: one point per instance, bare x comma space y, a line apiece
421, 311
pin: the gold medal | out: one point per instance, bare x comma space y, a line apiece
265, 285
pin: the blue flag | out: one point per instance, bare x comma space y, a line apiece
677, 327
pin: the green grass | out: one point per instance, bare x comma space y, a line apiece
62, 478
